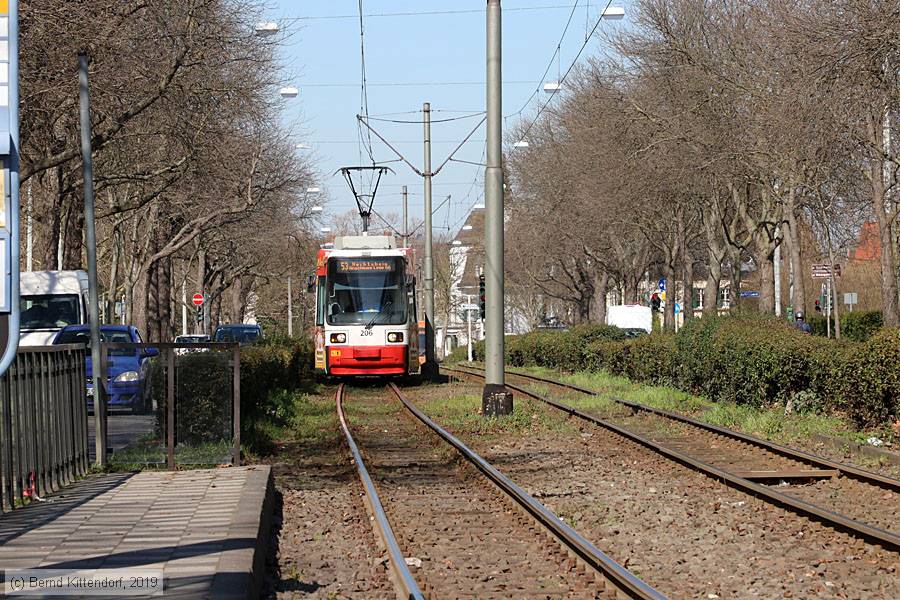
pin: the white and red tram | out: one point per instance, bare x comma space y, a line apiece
366, 320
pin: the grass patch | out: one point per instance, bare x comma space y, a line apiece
767, 422
461, 413
150, 453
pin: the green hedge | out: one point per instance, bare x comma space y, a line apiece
753, 360
856, 326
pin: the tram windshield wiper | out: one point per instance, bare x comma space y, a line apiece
386, 306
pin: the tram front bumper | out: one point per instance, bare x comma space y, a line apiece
368, 360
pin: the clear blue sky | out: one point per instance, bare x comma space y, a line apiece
437, 58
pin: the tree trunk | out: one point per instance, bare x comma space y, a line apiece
687, 306
601, 287
766, 269
711, 293
669, 312
735, 257
795, 254
73, 236
51, 246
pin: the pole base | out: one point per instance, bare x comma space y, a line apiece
430, 371
496, 400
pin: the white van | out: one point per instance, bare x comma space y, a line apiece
48, 301
630, 316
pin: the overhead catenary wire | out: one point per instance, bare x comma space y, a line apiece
424, 13
364, 96
556, 55
419, 122
568, 70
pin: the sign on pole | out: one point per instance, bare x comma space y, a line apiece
198, 299
662, 284
823, 271
9, 181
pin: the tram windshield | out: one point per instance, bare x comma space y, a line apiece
366, 291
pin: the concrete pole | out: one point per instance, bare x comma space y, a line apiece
290, 317
495, 399
777, 271
405, 218
201, 278
91, 242
429, 369
469, 323
29, 233
184, 308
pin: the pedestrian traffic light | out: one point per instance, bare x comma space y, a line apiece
481, 295
818, 305
200, 314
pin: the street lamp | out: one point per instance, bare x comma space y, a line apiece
316, 209
289, 91
551, 87
467, 228
313, 190
325, 229
521, 144
457, 243
266, 28
302, 146
613, 13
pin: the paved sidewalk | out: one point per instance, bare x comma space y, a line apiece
203, 528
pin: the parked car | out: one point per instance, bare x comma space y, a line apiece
191, 339
242, 333
127, 369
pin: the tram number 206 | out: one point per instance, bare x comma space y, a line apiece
366, 333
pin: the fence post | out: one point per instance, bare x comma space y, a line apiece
236, 410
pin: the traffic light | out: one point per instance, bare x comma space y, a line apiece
481, 295
200, 314
818, 305
655, 302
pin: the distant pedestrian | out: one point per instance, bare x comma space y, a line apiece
801, 324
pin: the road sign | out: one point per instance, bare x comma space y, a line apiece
823, 271
851, 298
677, 308
197, 299
662, 283
465, 307
750, 294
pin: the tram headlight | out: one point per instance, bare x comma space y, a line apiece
395, 337
338, 338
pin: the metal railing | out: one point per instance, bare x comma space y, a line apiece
43, 423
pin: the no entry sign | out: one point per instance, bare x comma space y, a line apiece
198, 299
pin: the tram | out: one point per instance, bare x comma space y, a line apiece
366, 320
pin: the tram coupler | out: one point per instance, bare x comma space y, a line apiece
496, 400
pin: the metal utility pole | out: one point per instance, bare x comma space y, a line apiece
405, 218
91, 242
29, 232
495, 399
430, 368
290, 310
201, 278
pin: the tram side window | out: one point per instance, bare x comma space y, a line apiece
321, 301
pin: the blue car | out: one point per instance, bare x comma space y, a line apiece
127, 369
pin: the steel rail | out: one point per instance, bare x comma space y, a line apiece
403, 580
849, 471
617, 575
832, 519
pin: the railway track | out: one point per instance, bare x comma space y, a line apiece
468, 530
861, 503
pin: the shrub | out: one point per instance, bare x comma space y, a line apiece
649, 358
605, 355
871, 394
856, 326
